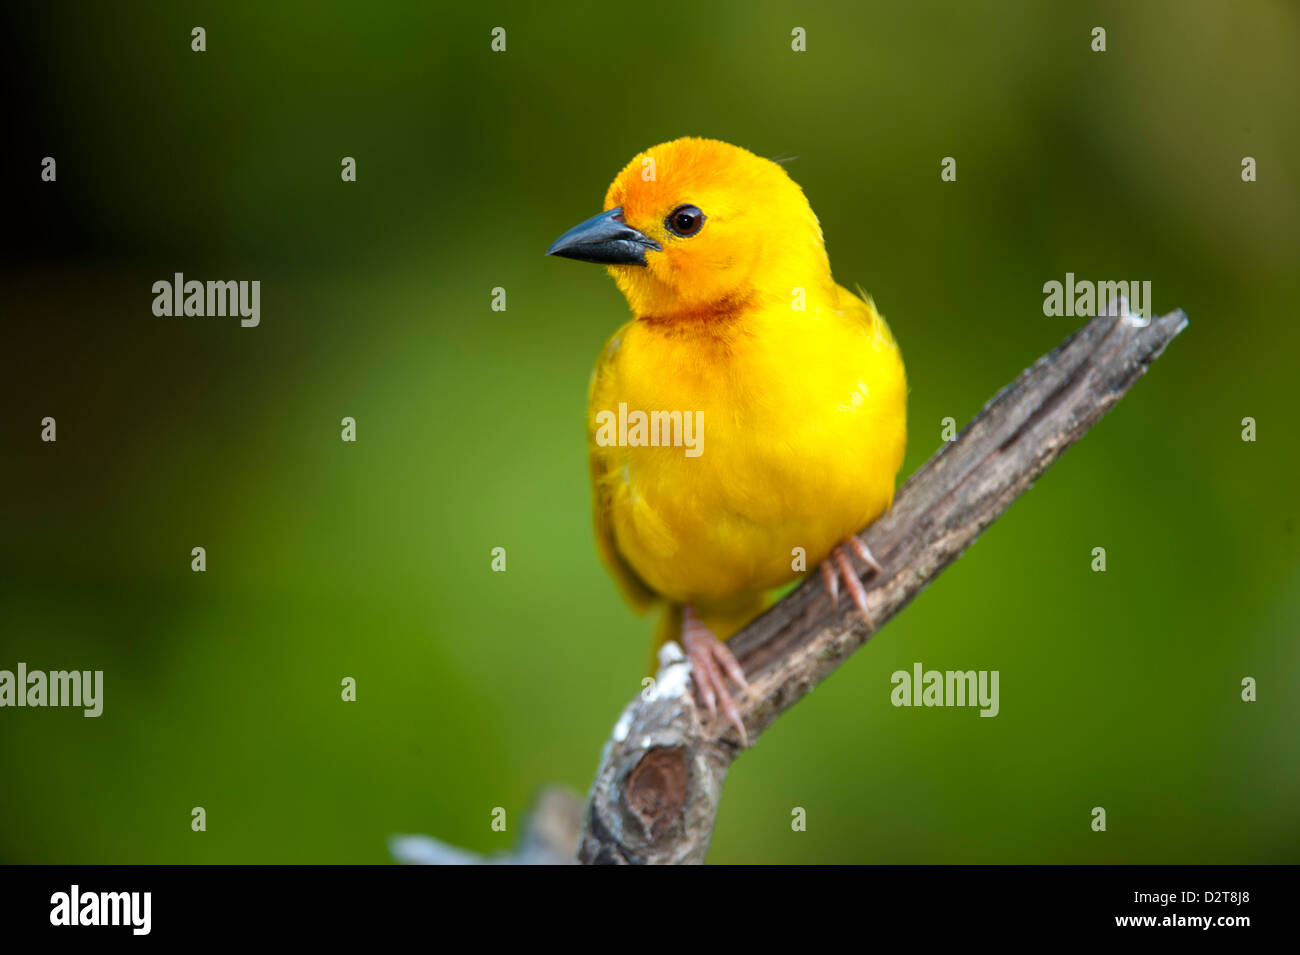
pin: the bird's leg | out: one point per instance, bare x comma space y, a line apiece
839, 564
711, 663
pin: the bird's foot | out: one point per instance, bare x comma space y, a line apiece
711, 663
839, 564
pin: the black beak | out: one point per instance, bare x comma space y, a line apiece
606, 239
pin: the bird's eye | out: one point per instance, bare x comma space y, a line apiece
685, 221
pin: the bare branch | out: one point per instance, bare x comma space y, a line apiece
550, 837
656, 793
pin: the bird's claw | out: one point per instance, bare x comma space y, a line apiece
711, 663
839, 564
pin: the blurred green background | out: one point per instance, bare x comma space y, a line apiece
371, 560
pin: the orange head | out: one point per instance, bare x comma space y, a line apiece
697, 226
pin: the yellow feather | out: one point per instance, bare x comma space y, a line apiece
802, 412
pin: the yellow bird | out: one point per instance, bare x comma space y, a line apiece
751, 414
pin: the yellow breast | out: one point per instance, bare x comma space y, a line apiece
793, 425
